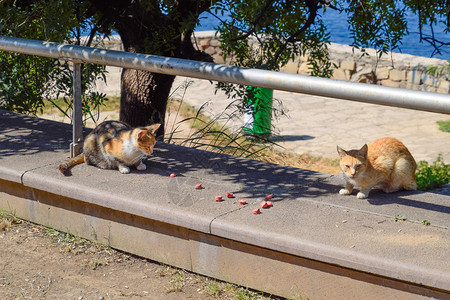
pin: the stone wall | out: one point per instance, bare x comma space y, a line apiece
395, 70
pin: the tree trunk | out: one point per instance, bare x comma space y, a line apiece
144, 28
144, 98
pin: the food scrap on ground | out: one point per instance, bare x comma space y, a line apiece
264, 204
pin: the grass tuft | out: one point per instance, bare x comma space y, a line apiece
444, 125
431, 176
212, 135
7, 220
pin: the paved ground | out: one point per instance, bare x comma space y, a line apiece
315, 125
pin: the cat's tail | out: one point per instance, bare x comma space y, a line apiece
67, 164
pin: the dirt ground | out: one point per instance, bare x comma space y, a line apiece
41, 263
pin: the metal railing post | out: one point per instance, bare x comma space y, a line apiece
77, 114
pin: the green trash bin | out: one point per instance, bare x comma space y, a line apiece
258, 111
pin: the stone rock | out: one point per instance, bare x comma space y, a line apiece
348, 65
218, 58
414, 77
340, 74
363, 75
429, 80
390, 83
382, 73
443, 87
210, 50
215, 43
304, 69
416, 87
397, 75
291, 67
204, 44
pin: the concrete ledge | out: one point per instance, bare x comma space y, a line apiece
313, 242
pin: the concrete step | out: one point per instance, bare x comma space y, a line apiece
312, 243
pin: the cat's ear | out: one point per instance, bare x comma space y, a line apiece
141, 134
153, 128
363, 151
342, 153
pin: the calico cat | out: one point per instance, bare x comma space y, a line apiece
115, 145
385, 163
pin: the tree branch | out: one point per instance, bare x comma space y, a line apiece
431, 40
254, 22
312, 5
328, 4
187, 49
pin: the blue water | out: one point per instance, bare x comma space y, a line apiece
339, 34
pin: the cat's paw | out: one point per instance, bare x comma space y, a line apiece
141, 167
124, 170
345, 192
361, 195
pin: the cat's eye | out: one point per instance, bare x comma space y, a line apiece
357, 166
347, 166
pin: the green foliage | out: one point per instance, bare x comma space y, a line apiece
25, 81
439, 70
432, 176
377, 24
400, 218
429, 13
62, 88
43, 20
444, 125
268, 34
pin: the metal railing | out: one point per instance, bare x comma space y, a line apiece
397, 97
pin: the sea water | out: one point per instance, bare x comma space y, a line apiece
340, 34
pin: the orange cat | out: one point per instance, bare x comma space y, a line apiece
115, 145
385, 163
